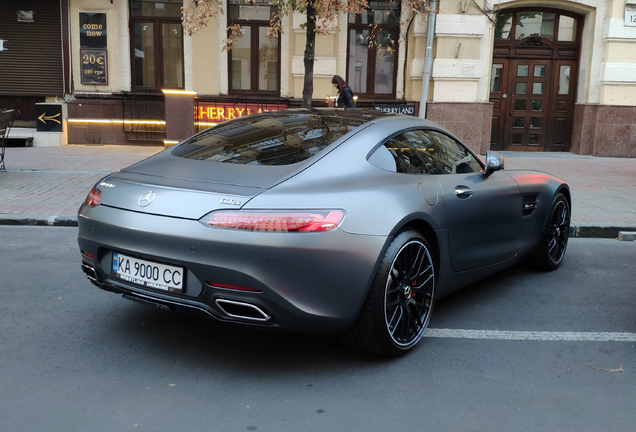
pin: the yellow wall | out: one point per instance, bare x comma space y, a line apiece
416, 47
447, 48
620, 52
605, 59
205, 64
618, 94
618, 82
324, 67
118, 53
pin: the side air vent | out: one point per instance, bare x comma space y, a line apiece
529, 204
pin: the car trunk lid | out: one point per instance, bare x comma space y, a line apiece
171, 186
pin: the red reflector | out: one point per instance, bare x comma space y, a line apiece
275, 221
93, 198
87, 255
232, 287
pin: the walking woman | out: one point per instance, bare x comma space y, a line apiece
345, 95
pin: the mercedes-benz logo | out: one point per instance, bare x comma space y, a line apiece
146, 198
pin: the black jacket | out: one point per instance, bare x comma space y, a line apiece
345, 98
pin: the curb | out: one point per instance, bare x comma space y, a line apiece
597, 232
51, 221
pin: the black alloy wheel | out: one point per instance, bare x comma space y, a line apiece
554, 240
400, 302
408, 296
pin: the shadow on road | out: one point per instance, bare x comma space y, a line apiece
208, 344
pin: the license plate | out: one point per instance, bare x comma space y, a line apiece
147, 273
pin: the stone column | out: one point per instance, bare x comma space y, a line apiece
179, 115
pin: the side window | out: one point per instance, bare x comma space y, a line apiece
443, 155
398, 155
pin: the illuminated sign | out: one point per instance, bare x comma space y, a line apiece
221, 111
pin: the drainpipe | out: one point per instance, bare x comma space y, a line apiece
428, 57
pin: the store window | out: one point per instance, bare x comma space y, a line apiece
372, 50
157, 44
254, 62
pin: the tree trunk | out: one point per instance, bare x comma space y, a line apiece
310, 50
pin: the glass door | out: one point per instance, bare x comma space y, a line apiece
172, 55
372, 62
157, 54
144, 54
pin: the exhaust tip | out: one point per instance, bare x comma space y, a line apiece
91, 274
242, 310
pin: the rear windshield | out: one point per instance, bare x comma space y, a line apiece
279, 138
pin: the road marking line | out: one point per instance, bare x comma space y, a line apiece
531, 336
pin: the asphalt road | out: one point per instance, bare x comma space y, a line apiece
74, 358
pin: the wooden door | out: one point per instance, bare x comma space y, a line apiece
536, 52
561, 106
529, 90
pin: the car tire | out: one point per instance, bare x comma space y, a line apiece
399, 304
554, 238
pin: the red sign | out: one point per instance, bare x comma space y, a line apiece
222, 111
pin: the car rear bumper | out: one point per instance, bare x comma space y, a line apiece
307, 282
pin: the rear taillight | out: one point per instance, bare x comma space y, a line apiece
274, 221
93, 198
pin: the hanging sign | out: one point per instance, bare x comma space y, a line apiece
94, 66
92, 30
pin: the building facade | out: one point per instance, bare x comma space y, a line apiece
518, 75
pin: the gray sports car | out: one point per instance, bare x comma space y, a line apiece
318, 220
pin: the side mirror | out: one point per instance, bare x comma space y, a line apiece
494, 162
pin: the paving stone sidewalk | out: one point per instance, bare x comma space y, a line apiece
46, 185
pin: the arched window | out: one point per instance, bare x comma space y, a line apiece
520, 24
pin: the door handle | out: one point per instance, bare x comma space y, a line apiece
463, 191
